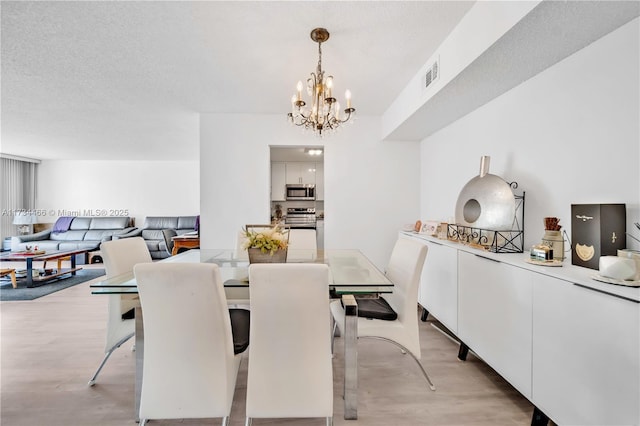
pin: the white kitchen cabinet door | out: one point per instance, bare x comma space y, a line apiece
278, 181
439, 284
586, 355
495, 314
301, 173
319, 181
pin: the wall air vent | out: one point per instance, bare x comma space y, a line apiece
433, 72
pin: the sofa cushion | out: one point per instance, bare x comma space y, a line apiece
187, 222
78, 245
99, 235
160, 222
118, 222
77, 235
152, 234
80, 223
154, 245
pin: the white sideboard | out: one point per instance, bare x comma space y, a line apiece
494, 316
440, 297
568, 343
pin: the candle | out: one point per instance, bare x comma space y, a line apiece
347, 95
299, 88
329, 86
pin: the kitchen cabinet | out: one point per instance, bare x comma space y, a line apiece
320, 181
585, 354
320, 233
300, 173
495, 316
278, 181
438, 292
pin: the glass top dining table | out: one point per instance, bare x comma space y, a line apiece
350, 271
351, 275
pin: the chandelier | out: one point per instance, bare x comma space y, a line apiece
324, 112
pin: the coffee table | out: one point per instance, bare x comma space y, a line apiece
58, 255
12, 273
185, 241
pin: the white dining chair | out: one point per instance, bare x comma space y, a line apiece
193, 342
119, 257
290, 366
238, 296
404, 270
303, 244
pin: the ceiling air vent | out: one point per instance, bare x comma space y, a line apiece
433, 72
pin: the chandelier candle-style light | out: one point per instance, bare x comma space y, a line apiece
323, 114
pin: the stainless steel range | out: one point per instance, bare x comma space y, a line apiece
301, 217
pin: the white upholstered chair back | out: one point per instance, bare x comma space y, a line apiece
190, 368
404, 270
302, 239
119, 257
240, 252
303, 244
290, 367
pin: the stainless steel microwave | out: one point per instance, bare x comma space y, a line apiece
300, 192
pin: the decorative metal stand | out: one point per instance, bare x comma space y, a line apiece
511, 241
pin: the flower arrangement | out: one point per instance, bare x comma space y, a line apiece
266, 239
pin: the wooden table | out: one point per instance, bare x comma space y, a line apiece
184, 241
27, 257
12, 273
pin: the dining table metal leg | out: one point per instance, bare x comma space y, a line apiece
139, 359
350, 357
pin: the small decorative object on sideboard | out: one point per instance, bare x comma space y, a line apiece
553, 238
632, 254
488, 214
429, 227
541, 253
266, 244
486, 201
597, 230
617, 267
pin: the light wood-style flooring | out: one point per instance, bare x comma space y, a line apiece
51, 346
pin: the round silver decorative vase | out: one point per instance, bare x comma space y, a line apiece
486, 202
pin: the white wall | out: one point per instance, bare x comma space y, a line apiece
371, 187
478, 30
143, 188
570, 135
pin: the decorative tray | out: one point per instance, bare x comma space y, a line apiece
634, 283
30, 253
552, 262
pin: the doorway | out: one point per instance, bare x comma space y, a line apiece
298, 166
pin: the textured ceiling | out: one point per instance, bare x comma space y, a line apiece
126, 80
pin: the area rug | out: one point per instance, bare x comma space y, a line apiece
23, 293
